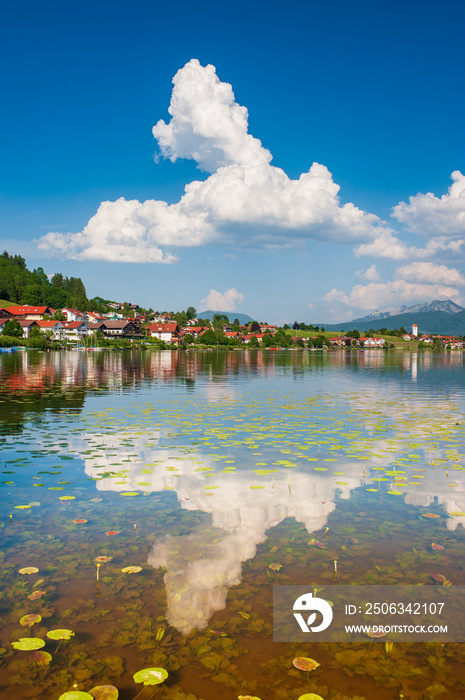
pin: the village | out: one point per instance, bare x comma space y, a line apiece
70, 327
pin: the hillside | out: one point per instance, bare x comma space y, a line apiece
232, 315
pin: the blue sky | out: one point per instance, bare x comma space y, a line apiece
371, 93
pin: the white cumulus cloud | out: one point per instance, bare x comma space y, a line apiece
245, 201
430, 273
429, 215
225, 301
383, 295
370, 274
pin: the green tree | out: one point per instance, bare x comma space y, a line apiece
13, 329
253, 342
191, 312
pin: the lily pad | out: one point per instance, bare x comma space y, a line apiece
131, 569
29, 620
150, 676
311, 696
75, 695
28, 570
28, 643
36, 595
60, 634
305, 664
41, 658
104, 692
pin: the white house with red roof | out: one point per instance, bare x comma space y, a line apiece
55, 326
373, 342
164, 331
74, 330
74, 315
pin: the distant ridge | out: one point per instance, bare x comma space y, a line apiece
242, 318
441, 317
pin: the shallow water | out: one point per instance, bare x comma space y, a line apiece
205, 468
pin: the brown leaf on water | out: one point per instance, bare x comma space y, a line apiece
438, 577
436, 547
430, 515
275, 566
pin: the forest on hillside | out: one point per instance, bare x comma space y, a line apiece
18, 285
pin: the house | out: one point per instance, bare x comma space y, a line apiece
373, 342
56, 327
92, 317
27, 326
30, 313
94, 327
164, 331
121, 329
2, 323
74, 330
74, 315
4, 313
266, 328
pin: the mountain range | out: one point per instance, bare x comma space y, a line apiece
443, 317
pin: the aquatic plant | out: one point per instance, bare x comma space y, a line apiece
28, 643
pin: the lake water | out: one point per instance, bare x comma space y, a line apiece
219, 474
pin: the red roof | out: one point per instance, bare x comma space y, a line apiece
72, 325
16, 310
163, 327
47, 324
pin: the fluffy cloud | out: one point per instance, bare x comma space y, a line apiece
222, 302
393, 293
385, 245
430, 273
246, 201
434, 216
370, 274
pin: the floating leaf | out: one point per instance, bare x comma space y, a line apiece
75, 695
353, 540
275, 566
129, 493
112, 532
150, 676
457, 514
22, 507
430, 515
103, 560
36, 595
60, 634
79, 521
305, 664
67, 498
104, 692
131, 569
29, 620
311, 696
436, 547
28, 570
41, 658
28, 643
96, 500
438, 577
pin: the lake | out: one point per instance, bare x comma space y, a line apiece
152, 499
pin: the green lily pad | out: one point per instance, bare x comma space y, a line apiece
104, 692
60, 634
311, 696
75, 695
150, 676
28, 643
29, 620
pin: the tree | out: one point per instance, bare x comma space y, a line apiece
13, 329
267, 341
254, 327
253, 342
59, 315
191, 312
295, 326
208, 338
236, 322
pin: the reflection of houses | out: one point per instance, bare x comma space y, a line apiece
164, 331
